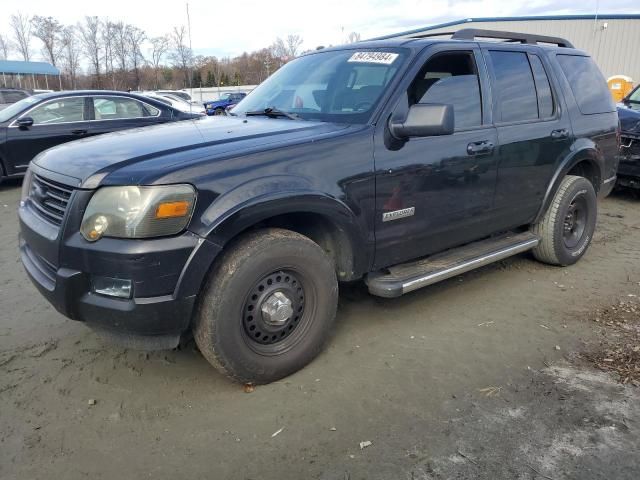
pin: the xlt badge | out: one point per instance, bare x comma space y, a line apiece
396, 214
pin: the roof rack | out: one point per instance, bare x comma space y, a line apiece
531, 38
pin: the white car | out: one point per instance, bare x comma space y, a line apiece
176, 102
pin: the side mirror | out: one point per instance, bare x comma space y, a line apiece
424, 120
24, 122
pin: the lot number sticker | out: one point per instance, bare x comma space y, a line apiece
384, 58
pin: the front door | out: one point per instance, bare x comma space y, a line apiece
54, 122
434, 193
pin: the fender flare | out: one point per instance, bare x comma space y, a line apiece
582, 150
261, 199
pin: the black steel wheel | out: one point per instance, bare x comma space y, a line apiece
268, 307
273, 313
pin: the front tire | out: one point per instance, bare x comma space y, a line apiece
218, 111
567, 227
268, 307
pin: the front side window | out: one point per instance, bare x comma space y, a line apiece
64, 110
587, 84
117, 108
450, 78
515, 88
335, 86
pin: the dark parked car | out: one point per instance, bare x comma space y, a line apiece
219, 107
41, 121
632, 100
9, 96
629, 168
400, 161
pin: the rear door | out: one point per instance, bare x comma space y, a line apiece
55, 121
113, 113
534, 130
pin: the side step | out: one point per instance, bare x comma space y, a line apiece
408, 277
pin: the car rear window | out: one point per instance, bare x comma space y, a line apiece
587, 84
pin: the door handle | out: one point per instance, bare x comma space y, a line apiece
560, 134
78, 132
477, 148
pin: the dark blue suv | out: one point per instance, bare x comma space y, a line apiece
400, 162
219, 107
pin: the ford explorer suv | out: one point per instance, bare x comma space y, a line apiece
400, 162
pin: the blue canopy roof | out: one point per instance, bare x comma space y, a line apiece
28, 68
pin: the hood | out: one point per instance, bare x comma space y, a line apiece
629, 120
183, 141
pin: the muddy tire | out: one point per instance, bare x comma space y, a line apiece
219, 111
268, 306
567, 227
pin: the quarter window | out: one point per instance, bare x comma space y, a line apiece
116, 108
587, 84
515, 87
64, 110
450, 78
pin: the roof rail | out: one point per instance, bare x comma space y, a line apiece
531, 38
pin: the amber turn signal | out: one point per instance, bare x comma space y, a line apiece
172, 209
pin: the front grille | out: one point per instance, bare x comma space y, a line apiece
50, 199
630, 147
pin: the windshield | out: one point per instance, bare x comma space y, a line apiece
16, 108
334, 86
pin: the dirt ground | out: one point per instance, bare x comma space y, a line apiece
478, 377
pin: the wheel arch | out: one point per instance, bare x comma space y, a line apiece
584, 160
325, 219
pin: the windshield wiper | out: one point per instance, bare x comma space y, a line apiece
273, 112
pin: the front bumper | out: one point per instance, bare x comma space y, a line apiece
166, 275
629, 167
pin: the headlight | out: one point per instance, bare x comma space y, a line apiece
26, 186
138, 212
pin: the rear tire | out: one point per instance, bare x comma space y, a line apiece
567, 227
268, 307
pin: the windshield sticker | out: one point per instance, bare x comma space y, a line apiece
384, 58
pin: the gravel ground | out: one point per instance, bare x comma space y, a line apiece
481, 376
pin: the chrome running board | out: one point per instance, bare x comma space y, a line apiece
407, 277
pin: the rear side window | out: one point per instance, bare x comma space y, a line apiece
515, 87
587, 84
13, 97
545, 97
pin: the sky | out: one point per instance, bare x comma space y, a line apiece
232, 27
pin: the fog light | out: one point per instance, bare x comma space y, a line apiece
112, 287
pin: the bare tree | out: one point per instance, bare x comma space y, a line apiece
135, 39
107, 35
48, 31
120, 45
293, 44
21, 26
71, 54
181, 54
5, 47
159, 48
353, 37
90, 37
